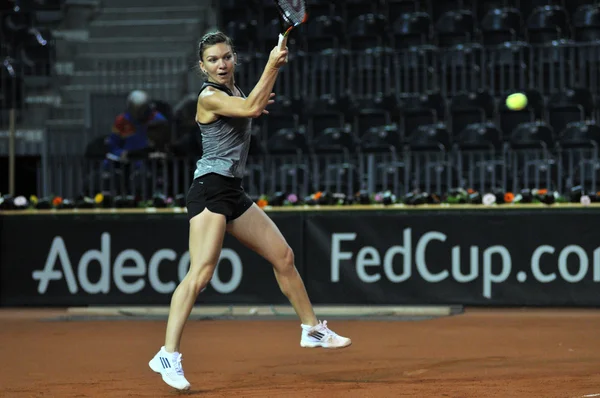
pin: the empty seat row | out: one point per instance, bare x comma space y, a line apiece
264, 11
513, 66
408, 112
498, 25
486, 136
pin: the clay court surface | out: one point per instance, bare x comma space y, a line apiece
480, 353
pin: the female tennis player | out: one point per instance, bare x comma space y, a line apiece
217, 203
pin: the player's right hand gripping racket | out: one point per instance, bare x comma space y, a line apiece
293, 13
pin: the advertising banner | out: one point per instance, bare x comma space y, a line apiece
479, 257
486, 257
121, 259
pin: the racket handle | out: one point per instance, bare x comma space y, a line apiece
282, 42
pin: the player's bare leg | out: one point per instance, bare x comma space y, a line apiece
207, 231
258, 232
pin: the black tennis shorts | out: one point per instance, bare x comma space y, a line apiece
220, 194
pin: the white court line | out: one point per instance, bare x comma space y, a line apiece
590, 395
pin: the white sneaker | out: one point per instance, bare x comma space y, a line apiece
321, 336
168, 364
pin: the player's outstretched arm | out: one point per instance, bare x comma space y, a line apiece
219, 103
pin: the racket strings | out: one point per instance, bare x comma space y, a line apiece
293, 11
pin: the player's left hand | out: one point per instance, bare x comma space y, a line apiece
265, 111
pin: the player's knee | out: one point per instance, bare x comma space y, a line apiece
199, 276
285, 262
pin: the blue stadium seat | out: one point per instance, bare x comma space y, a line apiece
324, 113
336, 178
501, 25
335, 140
438, 9
417, 110
412, 29
430, 137
269, 30
533, 135
571, 6
377, 100
480, 155
572, 105
269, 13
287, 141
586, 23
430, 166
257, 145
325, 73
366, 118
283, 114
368, 31
547, 24
455, 27
528, 8
320, 8
244, 34
383, 138
233, 11
480, 136
508, 66
579, 144
534, 164
471, 107
583, 134
325, 32
394, 9
354, 9
482, 7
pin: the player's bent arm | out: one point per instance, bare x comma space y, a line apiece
261, 93
219, 103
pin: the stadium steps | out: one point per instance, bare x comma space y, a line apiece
148, 13
120, 46
151, 3
72, 111
187, 27
135, 77
123, 30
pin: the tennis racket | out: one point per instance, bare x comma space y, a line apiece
293, 13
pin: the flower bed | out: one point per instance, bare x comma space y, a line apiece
320, 198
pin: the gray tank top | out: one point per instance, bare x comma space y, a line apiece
225, 143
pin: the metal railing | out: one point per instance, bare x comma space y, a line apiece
400, 172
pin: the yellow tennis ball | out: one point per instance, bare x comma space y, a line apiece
516, 102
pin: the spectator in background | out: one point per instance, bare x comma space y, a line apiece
138, 130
